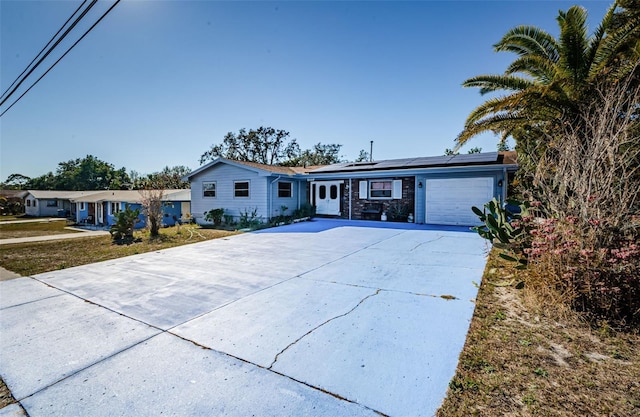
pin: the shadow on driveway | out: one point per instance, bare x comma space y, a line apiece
319, 224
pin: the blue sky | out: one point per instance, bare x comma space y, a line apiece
157, 82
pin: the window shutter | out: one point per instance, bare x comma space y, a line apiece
397, 189
364, 188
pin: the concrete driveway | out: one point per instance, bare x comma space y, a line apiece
301, 321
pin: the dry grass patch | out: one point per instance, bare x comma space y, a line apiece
525, 360
44, 228
38, 257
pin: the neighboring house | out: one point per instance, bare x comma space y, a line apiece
246, 187
43, 203
434, 190
100, 208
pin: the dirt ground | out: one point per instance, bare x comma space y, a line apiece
523, 360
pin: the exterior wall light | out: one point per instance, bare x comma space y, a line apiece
420, 184
500, 183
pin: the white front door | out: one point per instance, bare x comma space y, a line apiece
327, 197
100, 214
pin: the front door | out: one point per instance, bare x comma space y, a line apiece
327, 197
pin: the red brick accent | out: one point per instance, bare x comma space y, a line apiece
357, 204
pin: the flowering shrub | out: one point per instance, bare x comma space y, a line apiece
596, 265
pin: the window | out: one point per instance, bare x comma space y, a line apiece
285, 190
82, 206
115, 208
209, 189
380, 189
333, 192
28, 203
323, 192
52, 203
384, 189
241, 188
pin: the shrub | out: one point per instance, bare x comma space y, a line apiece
592, 265
398, 212
125, 221
215, 216
249, 219
305, 210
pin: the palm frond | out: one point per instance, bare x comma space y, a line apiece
573, 43
529, 40
499, 123
596, 40
490, 83
622, 38
540, 68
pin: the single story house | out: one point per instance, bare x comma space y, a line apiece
51, 203
434, 190
99, 208
246, 188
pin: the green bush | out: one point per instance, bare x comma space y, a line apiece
305, 210
249, 219
126, 220
215, 216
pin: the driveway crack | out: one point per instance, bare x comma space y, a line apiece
423, 243
320, 325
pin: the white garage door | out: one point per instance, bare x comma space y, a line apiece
449, 200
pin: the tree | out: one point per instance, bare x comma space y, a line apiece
16, 182
168, 178
550, 77
264, 145
452, 152
363, 156
88, 173
320, 154
152, 208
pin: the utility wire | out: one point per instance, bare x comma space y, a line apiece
78, 19
63, 55
42, 50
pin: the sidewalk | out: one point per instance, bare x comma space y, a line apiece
38, 220
53, 237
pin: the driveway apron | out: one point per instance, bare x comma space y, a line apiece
342, 321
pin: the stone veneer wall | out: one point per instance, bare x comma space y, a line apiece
357, 204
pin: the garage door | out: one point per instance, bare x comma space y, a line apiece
449, 200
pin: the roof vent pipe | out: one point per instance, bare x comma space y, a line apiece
371, 152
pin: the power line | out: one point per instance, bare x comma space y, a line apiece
45, 47
63, 55
64, 35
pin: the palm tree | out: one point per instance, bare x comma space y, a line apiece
551, 77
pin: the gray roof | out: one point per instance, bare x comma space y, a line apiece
60, 195
131, 196
487, 158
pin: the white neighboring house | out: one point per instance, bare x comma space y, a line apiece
245, 187
51, 203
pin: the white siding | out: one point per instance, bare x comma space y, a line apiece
290, 202
224, 175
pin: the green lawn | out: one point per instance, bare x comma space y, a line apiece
44, 228
38, 257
